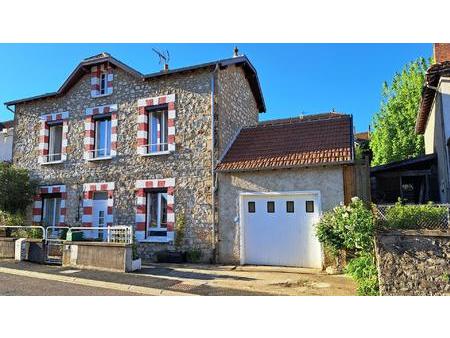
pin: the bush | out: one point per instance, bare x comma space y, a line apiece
27, 233
10, 219
180, 230
347, 228
16, 189
364, 271
194, 255
401, 216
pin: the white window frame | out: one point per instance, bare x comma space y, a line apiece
158, 227
55, 213
162, 125
51, 143
106, 147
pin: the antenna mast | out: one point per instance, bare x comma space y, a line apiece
164, 58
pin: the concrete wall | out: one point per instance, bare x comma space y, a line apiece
6, 144
328, 180
97, 256
7, 247
413, 262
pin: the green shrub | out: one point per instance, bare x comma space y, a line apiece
401, 216
194, 255
16, 188
347, 228
364, 271
10, 219
180, 229
27, 233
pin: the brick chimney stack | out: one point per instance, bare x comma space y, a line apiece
441, 52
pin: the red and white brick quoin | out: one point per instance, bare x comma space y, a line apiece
89, 129
143, 186
38, 204
96, 72
88, 198
142, 134
44, 134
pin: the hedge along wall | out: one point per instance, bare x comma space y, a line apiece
413, 262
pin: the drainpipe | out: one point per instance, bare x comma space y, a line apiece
213, 185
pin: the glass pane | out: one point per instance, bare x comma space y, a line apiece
251, 207
103, 138
49, 210
108, 137
270, 207
290, 206
309, 206
103, 83
164, 130
55, 142
100, 195
158, 130
163, 210
153, 216
57, 210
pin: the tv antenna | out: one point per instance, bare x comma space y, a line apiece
164, 58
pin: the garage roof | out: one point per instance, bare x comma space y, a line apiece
296, 142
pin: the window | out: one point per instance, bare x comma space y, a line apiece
290, 206
157, 130
271, 207
55, 142
156, 220
102, 137
51, 210
309, 206
103, 83
251, 207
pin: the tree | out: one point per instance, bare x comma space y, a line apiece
394, 137
16, 189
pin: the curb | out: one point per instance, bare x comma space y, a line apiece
94, 283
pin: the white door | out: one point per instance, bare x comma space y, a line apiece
278, 229
99, 211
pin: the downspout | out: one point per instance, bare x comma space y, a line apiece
213, 183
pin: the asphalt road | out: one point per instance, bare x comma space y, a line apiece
12, 285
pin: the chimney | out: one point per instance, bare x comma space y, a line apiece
441, 52
235, 52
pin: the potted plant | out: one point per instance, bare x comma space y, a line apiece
136, 262
177, 255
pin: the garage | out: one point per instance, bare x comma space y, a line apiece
278, 229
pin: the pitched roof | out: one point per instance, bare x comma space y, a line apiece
297, 142
84, 68
434, 73
6, 124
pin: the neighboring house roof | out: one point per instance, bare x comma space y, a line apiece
362, 136
6, 124
85, 66
397, 165
434, 73
297, 142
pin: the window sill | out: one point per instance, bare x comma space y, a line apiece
155, 240
157, 153
52, 162
100, 158
101, 95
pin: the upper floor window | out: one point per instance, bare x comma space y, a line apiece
103, 83
102, 145
157, 130
55, 142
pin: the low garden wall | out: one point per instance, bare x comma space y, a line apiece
98, 256
7, 247
413, 262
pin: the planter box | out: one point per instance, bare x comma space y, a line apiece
171, 257
136, 264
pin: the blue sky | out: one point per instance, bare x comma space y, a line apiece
295, 78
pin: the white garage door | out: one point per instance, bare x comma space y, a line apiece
278, 229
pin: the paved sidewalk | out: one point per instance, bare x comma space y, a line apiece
189, 279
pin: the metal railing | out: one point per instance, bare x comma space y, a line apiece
413, 216
26, 227
100, 153
155, 147
53, 157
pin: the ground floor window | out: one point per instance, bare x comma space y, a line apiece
156, 216
51, 210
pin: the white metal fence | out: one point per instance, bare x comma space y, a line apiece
113, 234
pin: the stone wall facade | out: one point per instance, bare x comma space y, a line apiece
329, 180
413, 262
189, 164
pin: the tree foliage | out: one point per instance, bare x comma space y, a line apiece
16, 189
393, 137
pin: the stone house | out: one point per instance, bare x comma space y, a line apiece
433, 119
115, 147
185, 147
6, 141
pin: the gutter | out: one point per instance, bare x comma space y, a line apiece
213, 185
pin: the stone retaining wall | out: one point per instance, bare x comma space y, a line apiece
413, 262
7, 247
